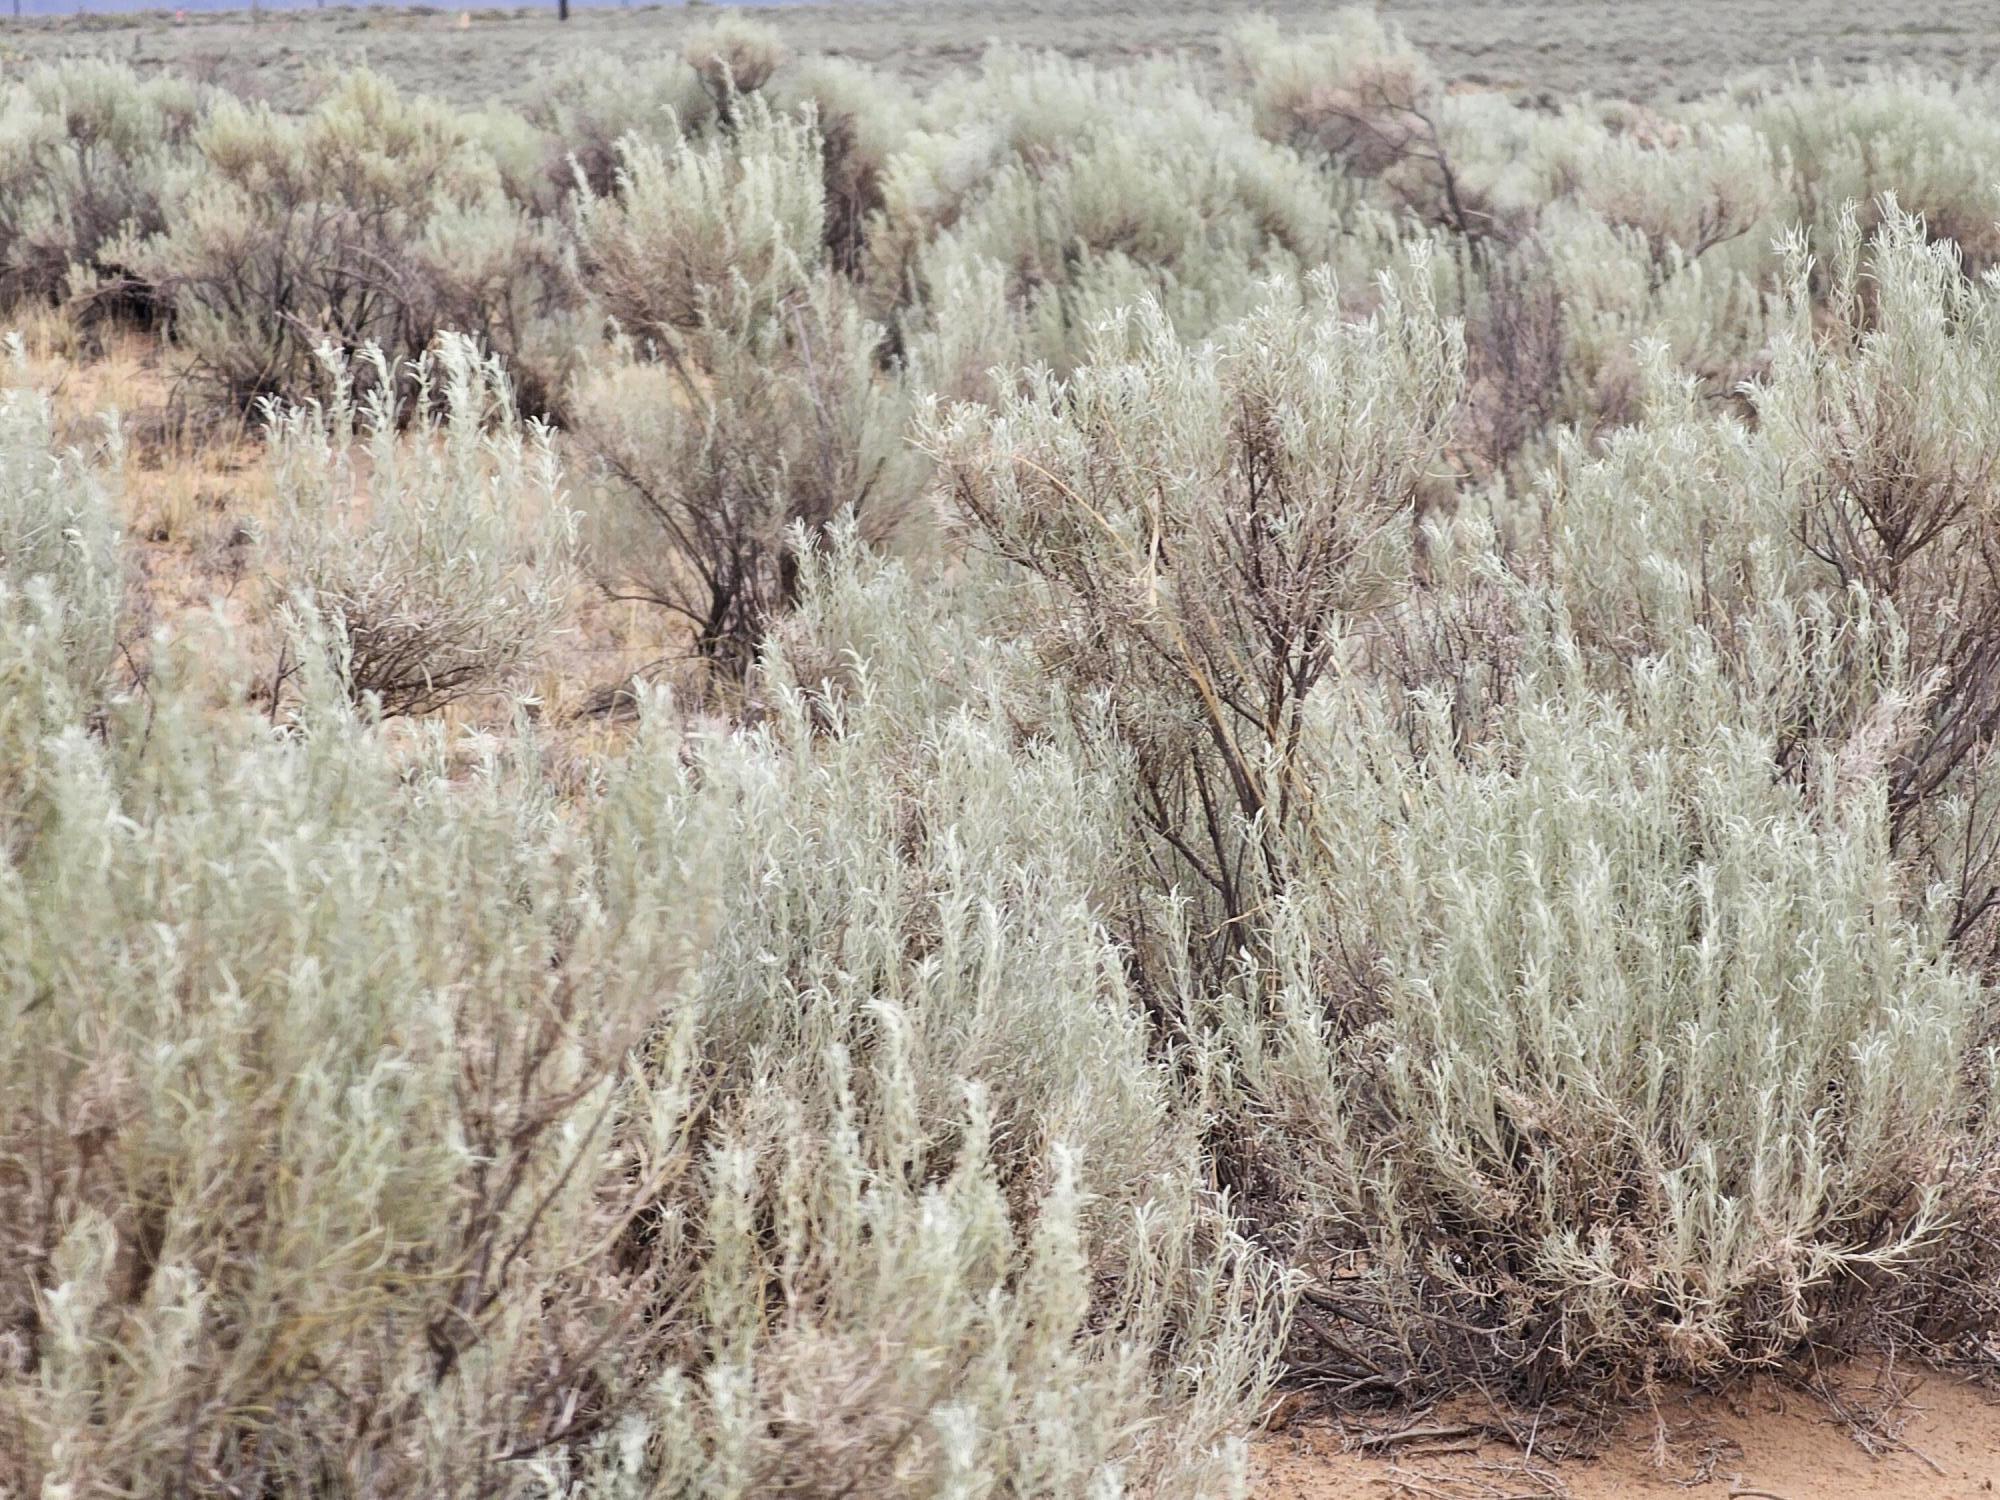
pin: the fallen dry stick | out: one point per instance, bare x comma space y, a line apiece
1418, 1434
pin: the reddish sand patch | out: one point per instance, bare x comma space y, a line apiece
1935, 1437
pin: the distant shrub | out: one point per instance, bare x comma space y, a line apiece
712, 467
1928, 143
1363, 98
862, 118
719, 230
733, 56
750, 405
1075, 193
1685, 194
586, 110
86, 151
443, 564
374, 220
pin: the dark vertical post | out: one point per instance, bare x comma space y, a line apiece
562, 10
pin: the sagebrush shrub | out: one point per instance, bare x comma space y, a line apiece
86, 151
1361, 96
1927, 142
749, 405
585, 111
928, 1031
1687, 194
1897, 431
1601, 1053
711, 476
1209, 518
1882, 402
430, 565
307, 1091
863, 118
59, 535
375, 220
1075, 193
418, 1132
1345, 731
720, 229
733, 56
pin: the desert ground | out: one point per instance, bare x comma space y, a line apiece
1641, 49
1938, 1439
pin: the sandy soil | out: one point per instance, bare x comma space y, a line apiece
1637, 48
1933, 1436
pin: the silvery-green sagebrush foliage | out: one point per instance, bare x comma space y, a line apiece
1554, 973
773, 1118
1885, 408
1208, 520
589, 114
59, 553
1361, 96
1927, 142
308, 1066
1439, 778
747, 406
433, 563
911, 984
586, 112
864, 117
375, 219
698, 231
1600, 1052
1046, 197
1890, 413
86, 150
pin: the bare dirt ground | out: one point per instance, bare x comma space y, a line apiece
1933, 1437
1638, 48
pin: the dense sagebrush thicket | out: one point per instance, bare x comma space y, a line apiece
1334, 730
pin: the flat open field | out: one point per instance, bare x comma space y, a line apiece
1646, 49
